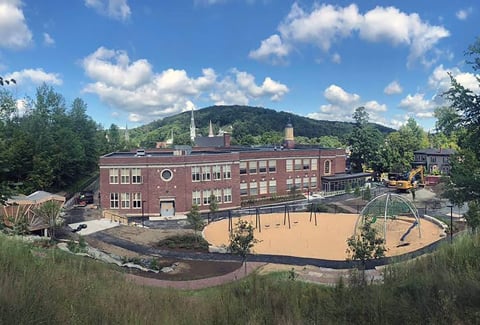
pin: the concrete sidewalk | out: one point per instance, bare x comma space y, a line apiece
94, 226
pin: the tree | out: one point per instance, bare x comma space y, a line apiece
366, 245
463, 118
365, 142
213, 206
194, 218
49, 212
242, 240
473, 215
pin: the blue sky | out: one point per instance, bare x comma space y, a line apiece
133, 62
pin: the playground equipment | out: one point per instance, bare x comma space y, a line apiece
411, 180
387, 207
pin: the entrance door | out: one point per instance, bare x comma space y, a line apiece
167, 208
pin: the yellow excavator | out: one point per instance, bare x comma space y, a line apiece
410, 180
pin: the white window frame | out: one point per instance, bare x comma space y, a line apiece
136, 176
114, 200
124, 176
137, 200
113, 175
227, 195
227, 172
196, 174
125, 200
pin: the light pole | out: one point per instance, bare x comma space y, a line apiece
451, 222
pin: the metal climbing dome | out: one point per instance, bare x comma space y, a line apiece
391, 213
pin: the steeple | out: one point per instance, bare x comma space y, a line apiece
210, 130
192, 128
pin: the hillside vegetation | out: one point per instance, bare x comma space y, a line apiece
48, 286
244, 122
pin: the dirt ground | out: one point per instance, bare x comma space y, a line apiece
327, 240
183, 270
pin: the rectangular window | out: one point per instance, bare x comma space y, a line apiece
227, 172
253, 188
298, 183
217, 172
243, 189
125, 200
125, 176
137, 200
263, 187
313, 182
136, 176
289, 165
218, 195
195, 174
262, 166
272, 166
227, 195
306, 164
196, 200
113, 175
289, 184
243, 168
272, 186
114, 200
305, 183
314, 164
433, 159
206, 197
206, 173
298, 164
252, 167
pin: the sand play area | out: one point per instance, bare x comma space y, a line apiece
327, 239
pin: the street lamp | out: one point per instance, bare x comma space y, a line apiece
451, 222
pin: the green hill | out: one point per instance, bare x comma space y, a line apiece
243, 122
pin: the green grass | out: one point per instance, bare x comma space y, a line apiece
188, 242
39, 285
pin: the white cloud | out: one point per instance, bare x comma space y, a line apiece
327, 24
14, 32
35, 76
133, 86
116, 9
336, 58
463, 14
439, 80
342, 104
272, 49
418, 105
393, 88
48, 40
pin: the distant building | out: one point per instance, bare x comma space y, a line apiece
165, 182
435, 161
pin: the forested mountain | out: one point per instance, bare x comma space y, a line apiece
245, 123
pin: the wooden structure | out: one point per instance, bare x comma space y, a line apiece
22, 208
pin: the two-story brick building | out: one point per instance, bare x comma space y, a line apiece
165, 182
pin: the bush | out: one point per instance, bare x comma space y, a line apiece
189, 242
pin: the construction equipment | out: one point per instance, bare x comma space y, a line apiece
392, 179
412, 179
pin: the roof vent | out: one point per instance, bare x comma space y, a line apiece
140, 152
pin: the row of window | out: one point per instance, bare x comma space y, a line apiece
126, 200
254, 167
207, 173
127, 175
204, 197
270, 187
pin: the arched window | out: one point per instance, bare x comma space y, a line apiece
327, 167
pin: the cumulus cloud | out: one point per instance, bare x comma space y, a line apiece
342, 104
115, 9
439, 80
134, 88
393, 88
48, 40
463, 14
14, 32
418, 105
336, 58
35, 76
327, 24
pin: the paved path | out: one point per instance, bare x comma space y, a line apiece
197, 284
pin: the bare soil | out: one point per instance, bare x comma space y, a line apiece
182, 270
